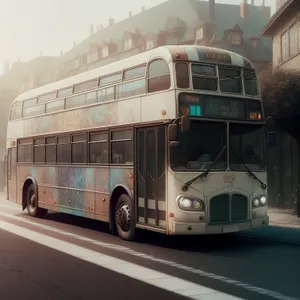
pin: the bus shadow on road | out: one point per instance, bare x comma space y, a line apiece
201, 243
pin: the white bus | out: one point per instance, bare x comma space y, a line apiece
170, 140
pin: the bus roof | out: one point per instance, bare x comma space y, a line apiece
190, 52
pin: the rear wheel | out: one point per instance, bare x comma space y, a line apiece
124, 218
32, 204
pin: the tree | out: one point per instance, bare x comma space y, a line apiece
280, 90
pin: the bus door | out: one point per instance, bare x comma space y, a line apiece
150, 169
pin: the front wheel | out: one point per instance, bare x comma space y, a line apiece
32, 204
124, 218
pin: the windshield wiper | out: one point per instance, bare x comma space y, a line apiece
205, 173
251, 174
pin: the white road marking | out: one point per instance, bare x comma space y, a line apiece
146, 275
246, 286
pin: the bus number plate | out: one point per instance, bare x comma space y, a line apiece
230, 228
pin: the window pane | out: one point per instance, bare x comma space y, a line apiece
25, 153
50, 154
110, 79
63, 140
16, 113
79, 153
98, 136
182, 75
86, 85
158, 68
33, 111
39, 154
39, 141
121, 152
64, 153
65, 92
29, 102
79, 138
230, 80
75, 101
55, 106
98, 153
136, 72
121, 135
91, 98
293, 40
47, 97
203, 83
130, 89
285, 45
204, 70
106, 94
161, 83
51, 140
250, 82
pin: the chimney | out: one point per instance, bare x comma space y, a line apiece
91, 29
252, 2
101, 26
61, 53
74, 44
137, 31
143, 8
130, 14
212, 9
244, 10
41, 53
111, 21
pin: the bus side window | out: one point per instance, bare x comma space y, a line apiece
158, 76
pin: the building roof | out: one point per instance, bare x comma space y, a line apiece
277, 18
192, 13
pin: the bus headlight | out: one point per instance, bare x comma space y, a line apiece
259, 201
263, 200
190, 204
256, 202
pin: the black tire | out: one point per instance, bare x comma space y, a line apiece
32, 204
124, 218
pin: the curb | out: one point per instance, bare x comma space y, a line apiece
284, 225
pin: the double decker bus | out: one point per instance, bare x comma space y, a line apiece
170, 140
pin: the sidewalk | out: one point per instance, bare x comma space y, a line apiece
283, 218
284, 227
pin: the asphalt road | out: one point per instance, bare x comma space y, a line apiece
66, 257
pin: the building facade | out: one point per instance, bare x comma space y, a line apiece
284, 29
231, 27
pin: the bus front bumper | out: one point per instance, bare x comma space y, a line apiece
180, 228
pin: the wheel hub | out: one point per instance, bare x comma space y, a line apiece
123, 217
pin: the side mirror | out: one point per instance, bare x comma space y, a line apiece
185, 123
173, 132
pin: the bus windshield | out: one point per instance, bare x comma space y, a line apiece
247, 148
200, 146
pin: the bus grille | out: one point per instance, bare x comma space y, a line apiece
239, 208
228, 208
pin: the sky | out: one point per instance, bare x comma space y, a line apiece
29, 28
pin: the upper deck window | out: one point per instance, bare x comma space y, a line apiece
204, 77
158, 76
16, 111
230, 80
250, 82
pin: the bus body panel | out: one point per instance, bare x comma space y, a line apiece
80, 191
